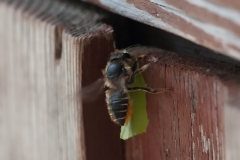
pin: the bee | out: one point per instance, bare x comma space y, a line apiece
118, 75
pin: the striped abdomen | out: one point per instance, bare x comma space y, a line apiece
118, 106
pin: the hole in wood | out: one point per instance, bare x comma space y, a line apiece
58, 43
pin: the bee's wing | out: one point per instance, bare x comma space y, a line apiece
91, 93
137, 51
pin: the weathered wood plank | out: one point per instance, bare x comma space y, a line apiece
212, 24
194, 121
232, 131
101, 135
44, 54
42, 117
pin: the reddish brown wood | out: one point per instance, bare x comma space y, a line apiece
207, 23
101, 135
205, 15
188, 122
178, 22
42, 73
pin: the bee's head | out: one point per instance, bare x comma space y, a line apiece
114, 70
122, 56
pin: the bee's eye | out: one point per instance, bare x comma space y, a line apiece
114, 70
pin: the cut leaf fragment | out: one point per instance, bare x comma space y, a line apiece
139, 120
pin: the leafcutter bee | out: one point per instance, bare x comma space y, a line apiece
118, 76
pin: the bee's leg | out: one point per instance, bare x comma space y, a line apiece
143, 68
149, 90
135, 64
134, 69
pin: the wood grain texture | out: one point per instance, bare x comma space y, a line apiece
52, 48
31, 122
195, 120
212, 24
101, 135
44, 53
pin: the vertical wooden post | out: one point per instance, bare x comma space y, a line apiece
46, 55
101, 135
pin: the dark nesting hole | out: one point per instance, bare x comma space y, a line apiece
58, 43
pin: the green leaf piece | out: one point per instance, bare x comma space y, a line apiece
139, 120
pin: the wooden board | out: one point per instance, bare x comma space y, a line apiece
196, 119
210, 23
50, 49
101, 135
46, 56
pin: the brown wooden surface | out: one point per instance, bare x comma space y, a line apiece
46, 55
189, 122
48, 48
101, 135
210, 23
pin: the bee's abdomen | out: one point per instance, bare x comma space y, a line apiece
118, 106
